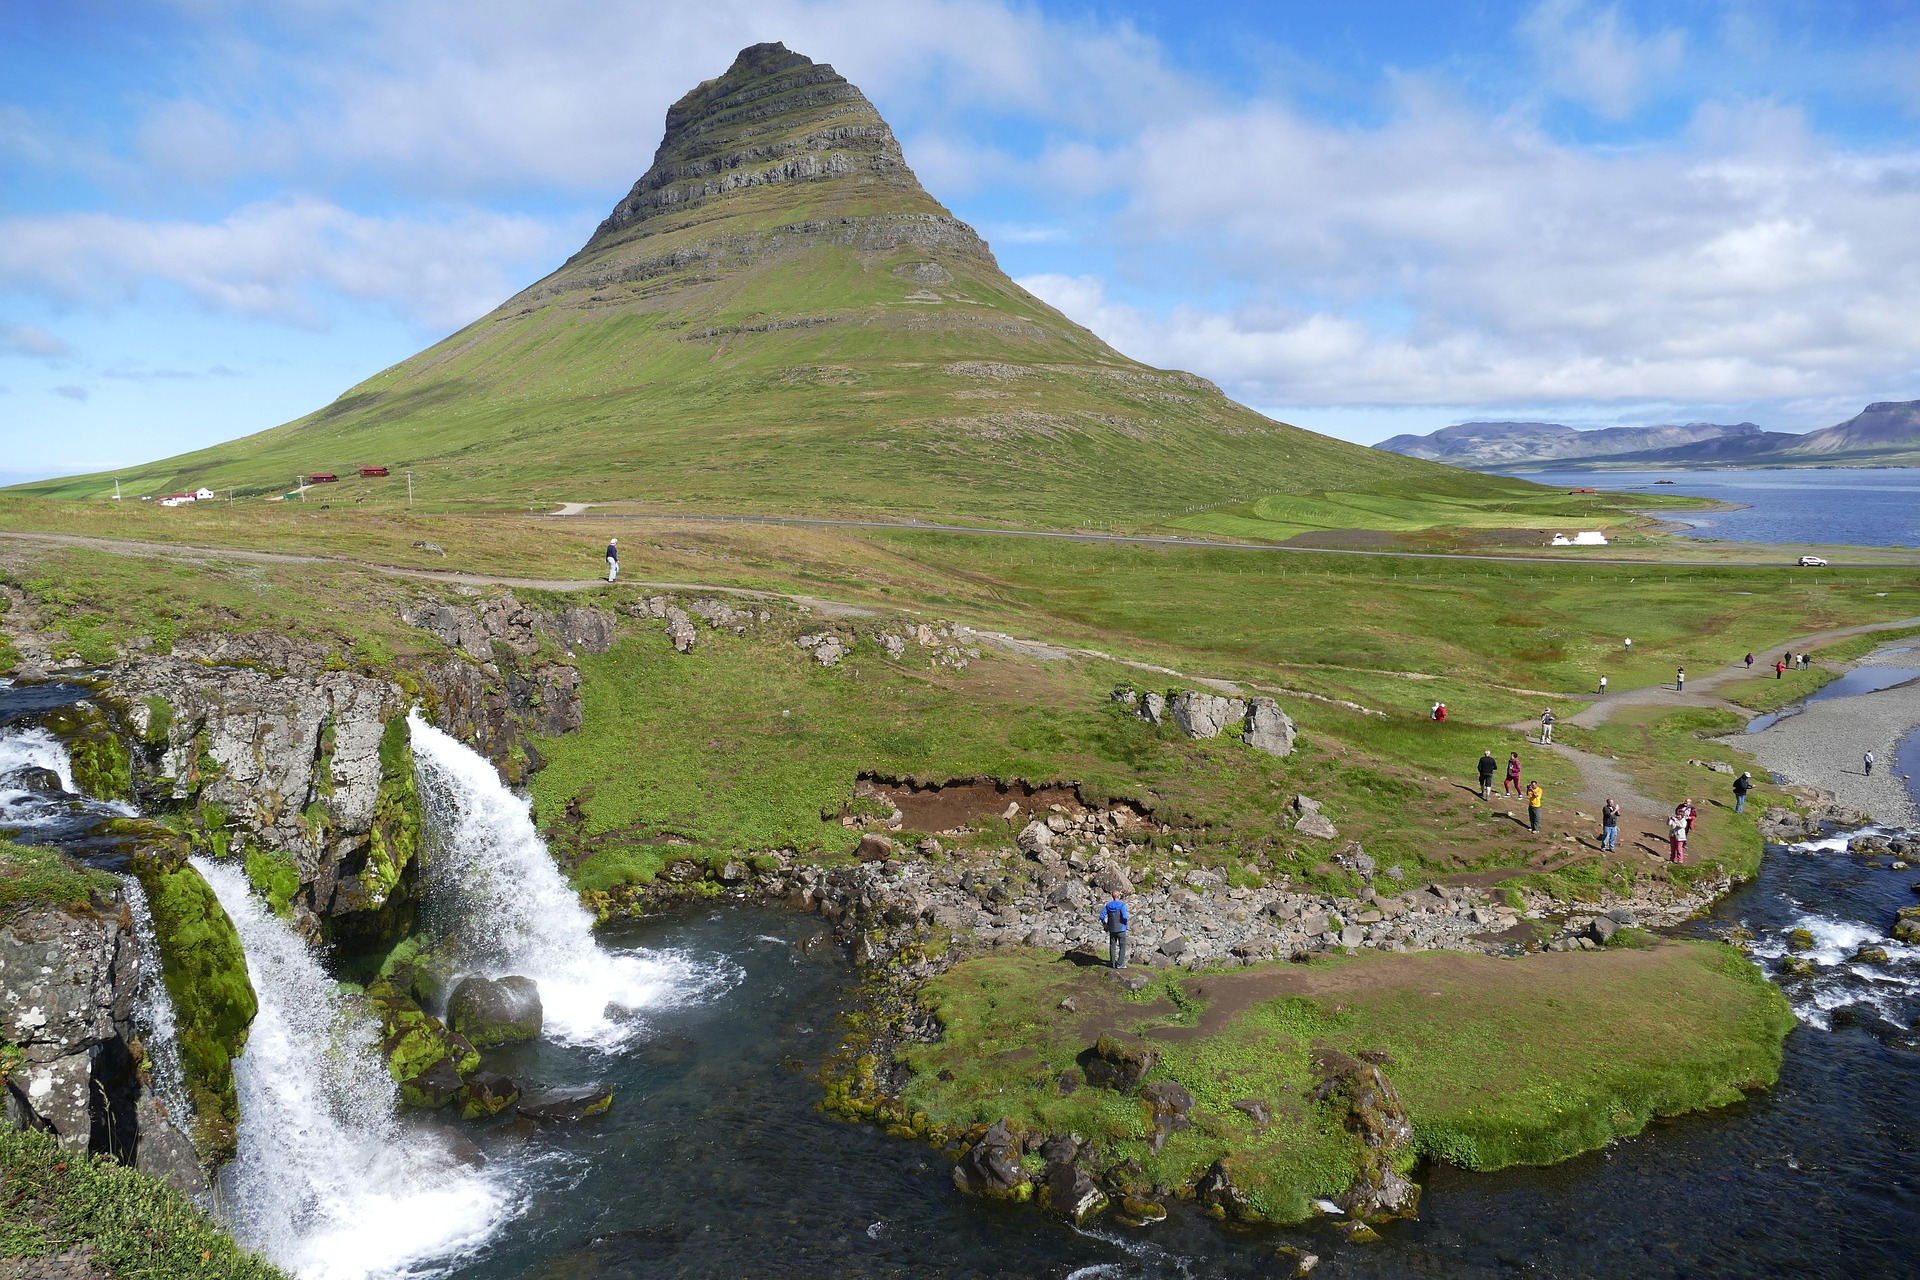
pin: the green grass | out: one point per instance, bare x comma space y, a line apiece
1498, 1062
33, 876
129, 1224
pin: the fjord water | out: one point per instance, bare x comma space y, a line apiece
1844, 506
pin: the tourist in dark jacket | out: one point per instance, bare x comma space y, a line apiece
1741, 785
1609, 826
1488, 767
613, 559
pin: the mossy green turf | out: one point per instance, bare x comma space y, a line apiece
1498, 1062
747, 745
205, 970
132, 1226
33, 876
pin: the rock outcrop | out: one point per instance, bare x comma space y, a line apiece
69, 977
1260, 723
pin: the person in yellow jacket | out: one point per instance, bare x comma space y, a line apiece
1534, 796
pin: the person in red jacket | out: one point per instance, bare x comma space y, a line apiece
1513, 774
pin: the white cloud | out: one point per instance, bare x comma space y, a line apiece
1447, 258
71, 392
32, 340
281, 258
1596, 57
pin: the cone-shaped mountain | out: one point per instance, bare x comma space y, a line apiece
778, 317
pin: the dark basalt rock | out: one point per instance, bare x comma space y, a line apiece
1369, 1108
31, 777
1217, 1193
1114, 1064
1255, 1110
991, 1167
1070, 1193
488, 1093
492, 1011
564, 1106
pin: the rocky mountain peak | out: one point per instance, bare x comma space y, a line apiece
775, 118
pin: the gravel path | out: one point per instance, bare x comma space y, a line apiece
1823, 746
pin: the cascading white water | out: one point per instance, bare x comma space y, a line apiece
509, 910
35, 747
327, 1182
153, 1010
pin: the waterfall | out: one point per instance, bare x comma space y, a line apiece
153, 1011
327, 1182
22, 748
508, 909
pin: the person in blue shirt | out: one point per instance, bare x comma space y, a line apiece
1113, 918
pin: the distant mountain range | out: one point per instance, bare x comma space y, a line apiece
1884, 433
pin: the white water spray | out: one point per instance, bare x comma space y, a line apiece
35, 747
327, 1183
153, 1010
509, 910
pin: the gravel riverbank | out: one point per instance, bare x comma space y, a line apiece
1824, 744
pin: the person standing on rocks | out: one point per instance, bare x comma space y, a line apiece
1512, 787
1869, 763
1741, 785
1535, 794
1546, 725
1609, 826
613, 559
1113, 918
1488, 767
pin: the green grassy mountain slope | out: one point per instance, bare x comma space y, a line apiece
778, 317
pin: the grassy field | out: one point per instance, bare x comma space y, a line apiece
1498, 1062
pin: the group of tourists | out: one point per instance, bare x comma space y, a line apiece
1534, 794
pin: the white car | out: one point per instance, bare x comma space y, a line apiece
1812, 562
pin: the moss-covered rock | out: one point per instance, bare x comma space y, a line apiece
488, 1094
429, 1062
275, 876
205, 970
491, 1011
102, 765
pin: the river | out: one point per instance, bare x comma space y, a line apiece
1844, 506
714, 1161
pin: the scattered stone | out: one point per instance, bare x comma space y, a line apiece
1174, 947
1800, 940
1070, 1193
1035, 838
1299, 1260
1170, 1104
1317, 825
1114, 1064
1270, 729
991, 1167
1205, 715
1870, 955
874, 847
1217, 1194
680, 630
1136, 1211
562, 1106
1131, 979
487, 1094
1255, 1110
1796, 966
1069, 1005
1603, 929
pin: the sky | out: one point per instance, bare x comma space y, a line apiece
1364, 218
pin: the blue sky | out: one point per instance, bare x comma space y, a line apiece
1363, 218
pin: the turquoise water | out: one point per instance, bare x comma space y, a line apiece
1861, 508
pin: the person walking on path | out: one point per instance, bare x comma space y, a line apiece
1488, 767
1546, 725
1806, 662
1609, 826
1677, 836
1749, 662
1779, 670
1535, 794
1741, 785
1603, 686
1512, 787
1869, 764
1680, 680
1113, 918
613, 559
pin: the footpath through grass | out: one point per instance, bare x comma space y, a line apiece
1498, 1062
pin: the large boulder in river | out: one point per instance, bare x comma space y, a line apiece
564, 1106
490, 1011
991, 1167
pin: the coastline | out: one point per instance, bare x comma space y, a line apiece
1823, 744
